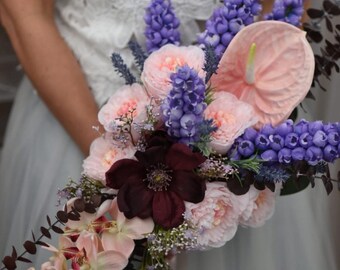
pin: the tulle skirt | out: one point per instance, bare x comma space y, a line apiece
38, 157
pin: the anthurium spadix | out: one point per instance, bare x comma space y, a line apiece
269, 65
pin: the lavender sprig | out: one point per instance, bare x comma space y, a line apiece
211, 62
138, 53
122, 69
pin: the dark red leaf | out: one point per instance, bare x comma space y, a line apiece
45, 232
96, 200
73, 216
329, 25
9, 263
30, 247
62, 216
315, 13
48, 221
327, 183
14, 253
57, 229
25, 260
331, 8
41, 243
90, 208
79, 205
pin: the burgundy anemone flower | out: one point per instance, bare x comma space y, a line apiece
158, 182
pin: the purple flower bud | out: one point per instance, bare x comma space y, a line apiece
298, 153
320, 138
291, 140
284, 128
246, 148
269, 155
250, 134
330, 153
267, 130
330, 127
313, 127
262, 142
301, 127
313, 155
306, 140
276, 142
333, 138
285, 155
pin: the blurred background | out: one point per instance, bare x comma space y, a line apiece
10, 77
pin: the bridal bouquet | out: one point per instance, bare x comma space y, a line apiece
193, 148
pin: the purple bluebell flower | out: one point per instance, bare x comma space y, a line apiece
330, 153
246, 148
161, 25
267, 129
183, 108
249, 134
320, 138
284, 128
269, 155
333, 138
301, 127
298, 153
285, 155
262, 142
289, 11
314, 127
313, 155
291, 140
330, 127
306, 140
276, 142
227, 21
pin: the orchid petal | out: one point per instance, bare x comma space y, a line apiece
110, 260
118, 242
284, 68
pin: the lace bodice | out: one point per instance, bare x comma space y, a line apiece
94, 29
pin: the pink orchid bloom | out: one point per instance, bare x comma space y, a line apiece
96, 258
86, 221
58, 260
120, 234
269, 65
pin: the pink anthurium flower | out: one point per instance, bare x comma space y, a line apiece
121, 232
269, 65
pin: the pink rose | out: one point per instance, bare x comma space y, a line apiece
160, 64
217, 216
103, 153
129, 100
262, 207
231, 116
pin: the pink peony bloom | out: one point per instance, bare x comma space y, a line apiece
274, 75
160, 64
231, 116
217, 215
103, 153
120, 234
127, 100
261, 208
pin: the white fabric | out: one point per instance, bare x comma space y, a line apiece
38, 156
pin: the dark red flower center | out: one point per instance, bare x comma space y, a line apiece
158, 177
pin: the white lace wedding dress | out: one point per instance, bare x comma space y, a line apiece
39, 157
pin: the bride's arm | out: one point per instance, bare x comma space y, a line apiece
51, 66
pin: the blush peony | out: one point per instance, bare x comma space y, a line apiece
231, 116
103, 153
262, 207
129, 100
160, 64
217, 216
